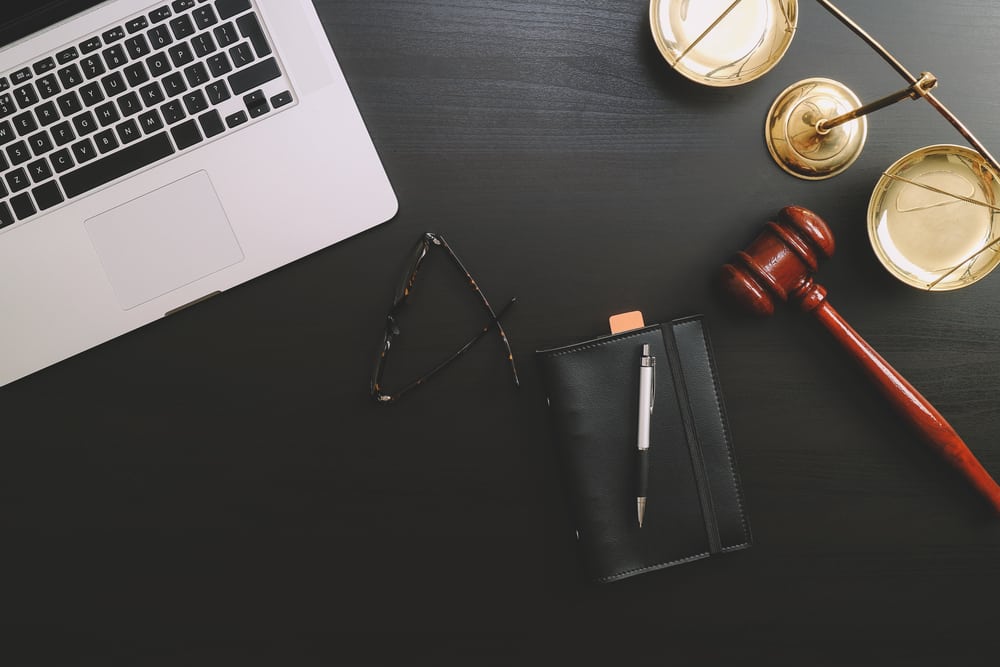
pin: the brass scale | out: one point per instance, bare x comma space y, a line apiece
932, 215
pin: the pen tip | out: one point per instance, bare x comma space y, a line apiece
641, 507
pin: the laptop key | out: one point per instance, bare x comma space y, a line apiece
106, 141
7, 106
219, 65
107, 114
182, 5
113, 35
186, 134
85, 123
160, 37
196, 75
131, 158
137, 24
128, 132
152, 94
92, 67
136, 74
69, 103
259, 110
237, 119
174, 84
90, 45
203, 44
181, 55
226, 34
70, 76
67, 55
281, 99
150, 121
173, 112
25, 96
47, 195
39, 171
254, 76
211, 124
182, 27
195, 102
137, 47
43, 66
158, 64
129, 104
23, 206
62, 160
242, 54
20, 76
250, 28
205, 17
17, 180
159, 14
46, 114
48, 86
92, 94
18, 153
217, 92
40, 143
6, 217
114, 84
115, 56
230, 8
63, 133
7, 134
84, 151
25, 123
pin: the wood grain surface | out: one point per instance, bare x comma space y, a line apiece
217, 488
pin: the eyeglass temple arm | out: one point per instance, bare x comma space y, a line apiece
912, 80
462, 350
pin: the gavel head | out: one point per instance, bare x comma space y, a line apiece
780, 263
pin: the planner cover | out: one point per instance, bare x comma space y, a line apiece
694, 506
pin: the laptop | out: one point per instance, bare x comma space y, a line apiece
153, 154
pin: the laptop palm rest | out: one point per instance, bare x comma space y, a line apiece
164, 240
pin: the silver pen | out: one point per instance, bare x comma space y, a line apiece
647, 392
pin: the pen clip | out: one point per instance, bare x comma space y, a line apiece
652, 393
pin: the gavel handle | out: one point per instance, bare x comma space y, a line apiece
910, 404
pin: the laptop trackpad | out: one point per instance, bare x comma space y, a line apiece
163, 240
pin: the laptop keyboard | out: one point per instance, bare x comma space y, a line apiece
157, 85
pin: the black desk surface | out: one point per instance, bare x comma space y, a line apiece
218, 489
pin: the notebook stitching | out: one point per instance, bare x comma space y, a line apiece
639, 570
614, 339
725, 429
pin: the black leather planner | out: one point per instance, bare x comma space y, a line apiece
695, 505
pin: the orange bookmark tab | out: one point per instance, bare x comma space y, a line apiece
626, 322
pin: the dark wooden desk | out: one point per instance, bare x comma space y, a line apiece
217, 489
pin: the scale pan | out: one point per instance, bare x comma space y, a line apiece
722, 42
934, 218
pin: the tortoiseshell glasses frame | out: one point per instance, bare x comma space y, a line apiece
427, 241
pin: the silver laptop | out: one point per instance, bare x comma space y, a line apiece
153, 154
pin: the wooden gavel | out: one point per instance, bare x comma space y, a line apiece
780, 263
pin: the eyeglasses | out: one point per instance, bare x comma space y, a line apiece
932, 219
427, 241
